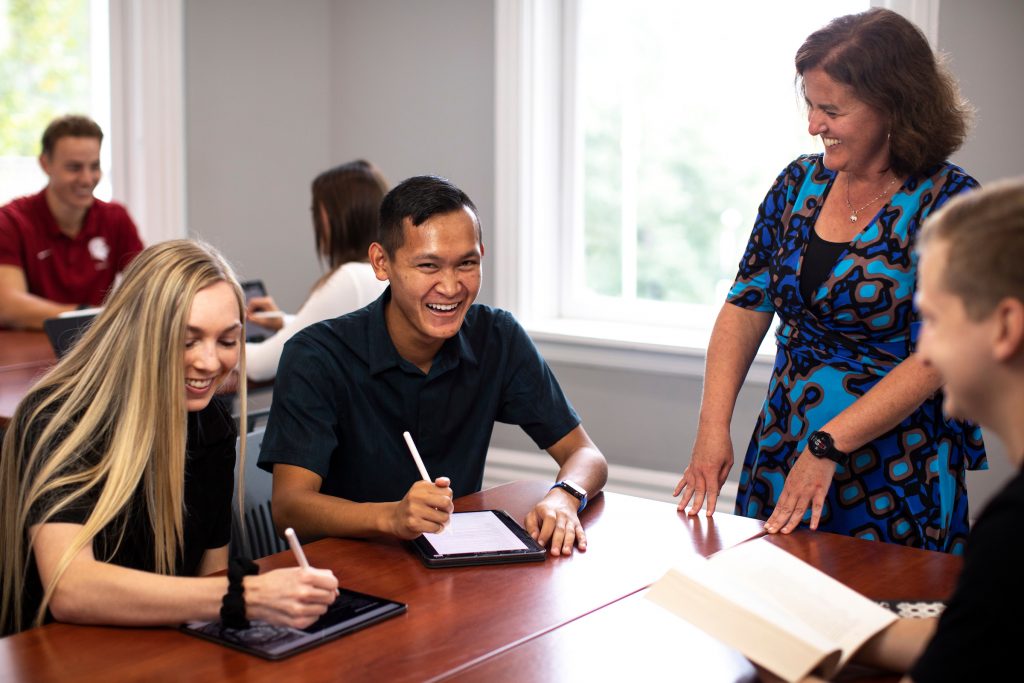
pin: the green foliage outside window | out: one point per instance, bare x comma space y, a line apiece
687, 113
44, 68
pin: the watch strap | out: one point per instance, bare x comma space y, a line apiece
822, 446
582, 497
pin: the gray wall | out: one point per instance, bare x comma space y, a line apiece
257, 129
413, 90
279, 90
984, 41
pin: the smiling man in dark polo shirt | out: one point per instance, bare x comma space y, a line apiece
62, 248
421, 358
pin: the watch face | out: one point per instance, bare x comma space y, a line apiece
573, 488
820, 443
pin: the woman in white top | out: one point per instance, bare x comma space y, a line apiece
346, 206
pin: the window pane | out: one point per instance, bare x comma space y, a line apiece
50, 65
686, 113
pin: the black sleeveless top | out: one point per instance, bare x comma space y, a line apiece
819, 258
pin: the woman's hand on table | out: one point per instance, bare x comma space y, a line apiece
702, 480
805, 487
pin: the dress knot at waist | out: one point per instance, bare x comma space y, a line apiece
829, 346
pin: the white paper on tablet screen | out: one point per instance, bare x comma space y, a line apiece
475, 532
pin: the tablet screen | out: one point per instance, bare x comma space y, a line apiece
254, 332
349, 612
479, 537
475, 532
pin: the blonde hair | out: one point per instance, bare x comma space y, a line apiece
985, 233
109, 417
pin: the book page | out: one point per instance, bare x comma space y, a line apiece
779, 611
742, 619
829, 608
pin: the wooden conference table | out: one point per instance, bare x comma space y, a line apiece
567, 618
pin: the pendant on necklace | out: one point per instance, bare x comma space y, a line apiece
853, 218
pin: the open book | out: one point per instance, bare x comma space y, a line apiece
780, 612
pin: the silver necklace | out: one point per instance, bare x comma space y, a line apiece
853, 211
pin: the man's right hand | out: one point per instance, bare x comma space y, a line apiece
709, 467
426, 508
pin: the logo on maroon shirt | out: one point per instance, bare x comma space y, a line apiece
99, 250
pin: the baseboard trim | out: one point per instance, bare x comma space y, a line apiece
505, 465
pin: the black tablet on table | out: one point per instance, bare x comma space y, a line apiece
479, 537
350, 612
254, 332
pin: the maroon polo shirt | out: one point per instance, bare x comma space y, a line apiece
67, 270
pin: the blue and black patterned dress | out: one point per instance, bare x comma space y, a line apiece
907, 486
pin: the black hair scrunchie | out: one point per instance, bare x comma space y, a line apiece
232, 610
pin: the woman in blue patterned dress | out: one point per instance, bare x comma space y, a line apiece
851, 437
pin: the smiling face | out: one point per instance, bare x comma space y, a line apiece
434, 276
74, 171
853, 132
954, 344
212, 343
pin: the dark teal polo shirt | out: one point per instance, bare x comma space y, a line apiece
343, 396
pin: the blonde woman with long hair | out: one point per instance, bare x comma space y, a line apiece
116, 470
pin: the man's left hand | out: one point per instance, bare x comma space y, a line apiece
554, 521
806, 485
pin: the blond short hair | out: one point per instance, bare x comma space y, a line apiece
984, 230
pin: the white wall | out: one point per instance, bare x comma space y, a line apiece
279, 90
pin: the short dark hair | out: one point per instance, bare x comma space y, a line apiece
70, 126
985, 233
350, 194
888, 64
418, 199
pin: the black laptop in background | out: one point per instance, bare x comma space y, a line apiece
64, 330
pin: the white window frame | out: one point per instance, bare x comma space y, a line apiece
534, 139
147, 131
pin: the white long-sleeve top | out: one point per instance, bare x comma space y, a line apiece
349, 288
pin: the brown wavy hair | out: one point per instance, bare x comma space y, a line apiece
889, 65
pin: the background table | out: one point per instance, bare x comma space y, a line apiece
21, 348
24, 356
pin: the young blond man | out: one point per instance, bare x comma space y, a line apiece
971, 298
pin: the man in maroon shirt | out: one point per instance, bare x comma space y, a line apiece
62, 248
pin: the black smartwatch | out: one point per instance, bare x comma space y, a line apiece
574, 489
821, 445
